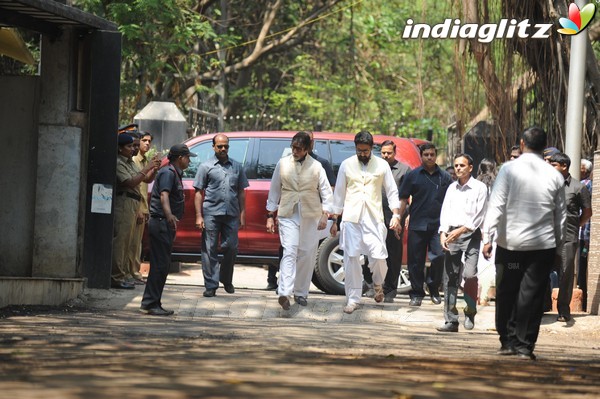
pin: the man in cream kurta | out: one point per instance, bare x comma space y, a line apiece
358, 192
301, 194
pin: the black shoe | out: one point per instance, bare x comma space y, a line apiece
563, 318
448, 327
229, 288
122, 285
526, 356
210, 293
435, 296
415, 301
469, 321
157, 311
389, 297
271, 286
506, 350
300, 300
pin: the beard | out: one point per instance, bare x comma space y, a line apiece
364, 158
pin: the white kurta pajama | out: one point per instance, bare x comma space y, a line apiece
362, 229
298, 231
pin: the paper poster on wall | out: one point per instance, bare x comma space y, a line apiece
102, 198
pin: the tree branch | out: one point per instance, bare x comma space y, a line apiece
263, 45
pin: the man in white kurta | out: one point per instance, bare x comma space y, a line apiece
301, 194
358, 190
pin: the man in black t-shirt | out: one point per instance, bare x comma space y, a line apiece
166, 210
427, 186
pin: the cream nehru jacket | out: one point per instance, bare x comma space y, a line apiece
300, 184
363, 188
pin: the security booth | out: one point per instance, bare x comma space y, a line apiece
58, 144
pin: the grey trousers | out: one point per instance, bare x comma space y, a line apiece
455, 271
567, 272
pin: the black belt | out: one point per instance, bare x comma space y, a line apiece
130, 195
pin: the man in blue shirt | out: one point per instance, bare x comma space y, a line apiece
220, 213
427, 186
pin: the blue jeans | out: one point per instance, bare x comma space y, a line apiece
226, 228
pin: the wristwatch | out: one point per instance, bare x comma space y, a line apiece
270, 215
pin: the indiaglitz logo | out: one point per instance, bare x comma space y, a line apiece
453, 29
578, 19
504, 29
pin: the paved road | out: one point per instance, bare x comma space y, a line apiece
244, 346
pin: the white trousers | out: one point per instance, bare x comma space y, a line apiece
299, 240
367, 238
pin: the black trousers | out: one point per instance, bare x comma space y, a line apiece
393, 261
161, 245
582, 272
273, 269
521, 278
421, 244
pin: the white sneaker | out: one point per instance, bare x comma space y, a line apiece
351, 307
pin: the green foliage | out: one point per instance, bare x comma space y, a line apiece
358, 73
349, 70
157, 38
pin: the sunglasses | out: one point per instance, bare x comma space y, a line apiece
221, 146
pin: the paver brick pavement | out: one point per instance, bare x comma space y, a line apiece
244, 346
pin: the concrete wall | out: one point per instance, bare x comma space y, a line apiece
56, 251
38, 291
18, 152
593, 278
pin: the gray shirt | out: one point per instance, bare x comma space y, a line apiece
577, 198
398, 171
221, 183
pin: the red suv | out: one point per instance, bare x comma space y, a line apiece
259, 152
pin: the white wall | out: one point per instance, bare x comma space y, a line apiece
56, 226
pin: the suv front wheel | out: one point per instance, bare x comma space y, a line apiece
329, 269
330, 273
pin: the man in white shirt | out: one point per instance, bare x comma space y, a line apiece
462, 215
358, 192
526, 216
301, 195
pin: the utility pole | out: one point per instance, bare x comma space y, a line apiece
574, 117
221, 86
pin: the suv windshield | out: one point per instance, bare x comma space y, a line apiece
238, 149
